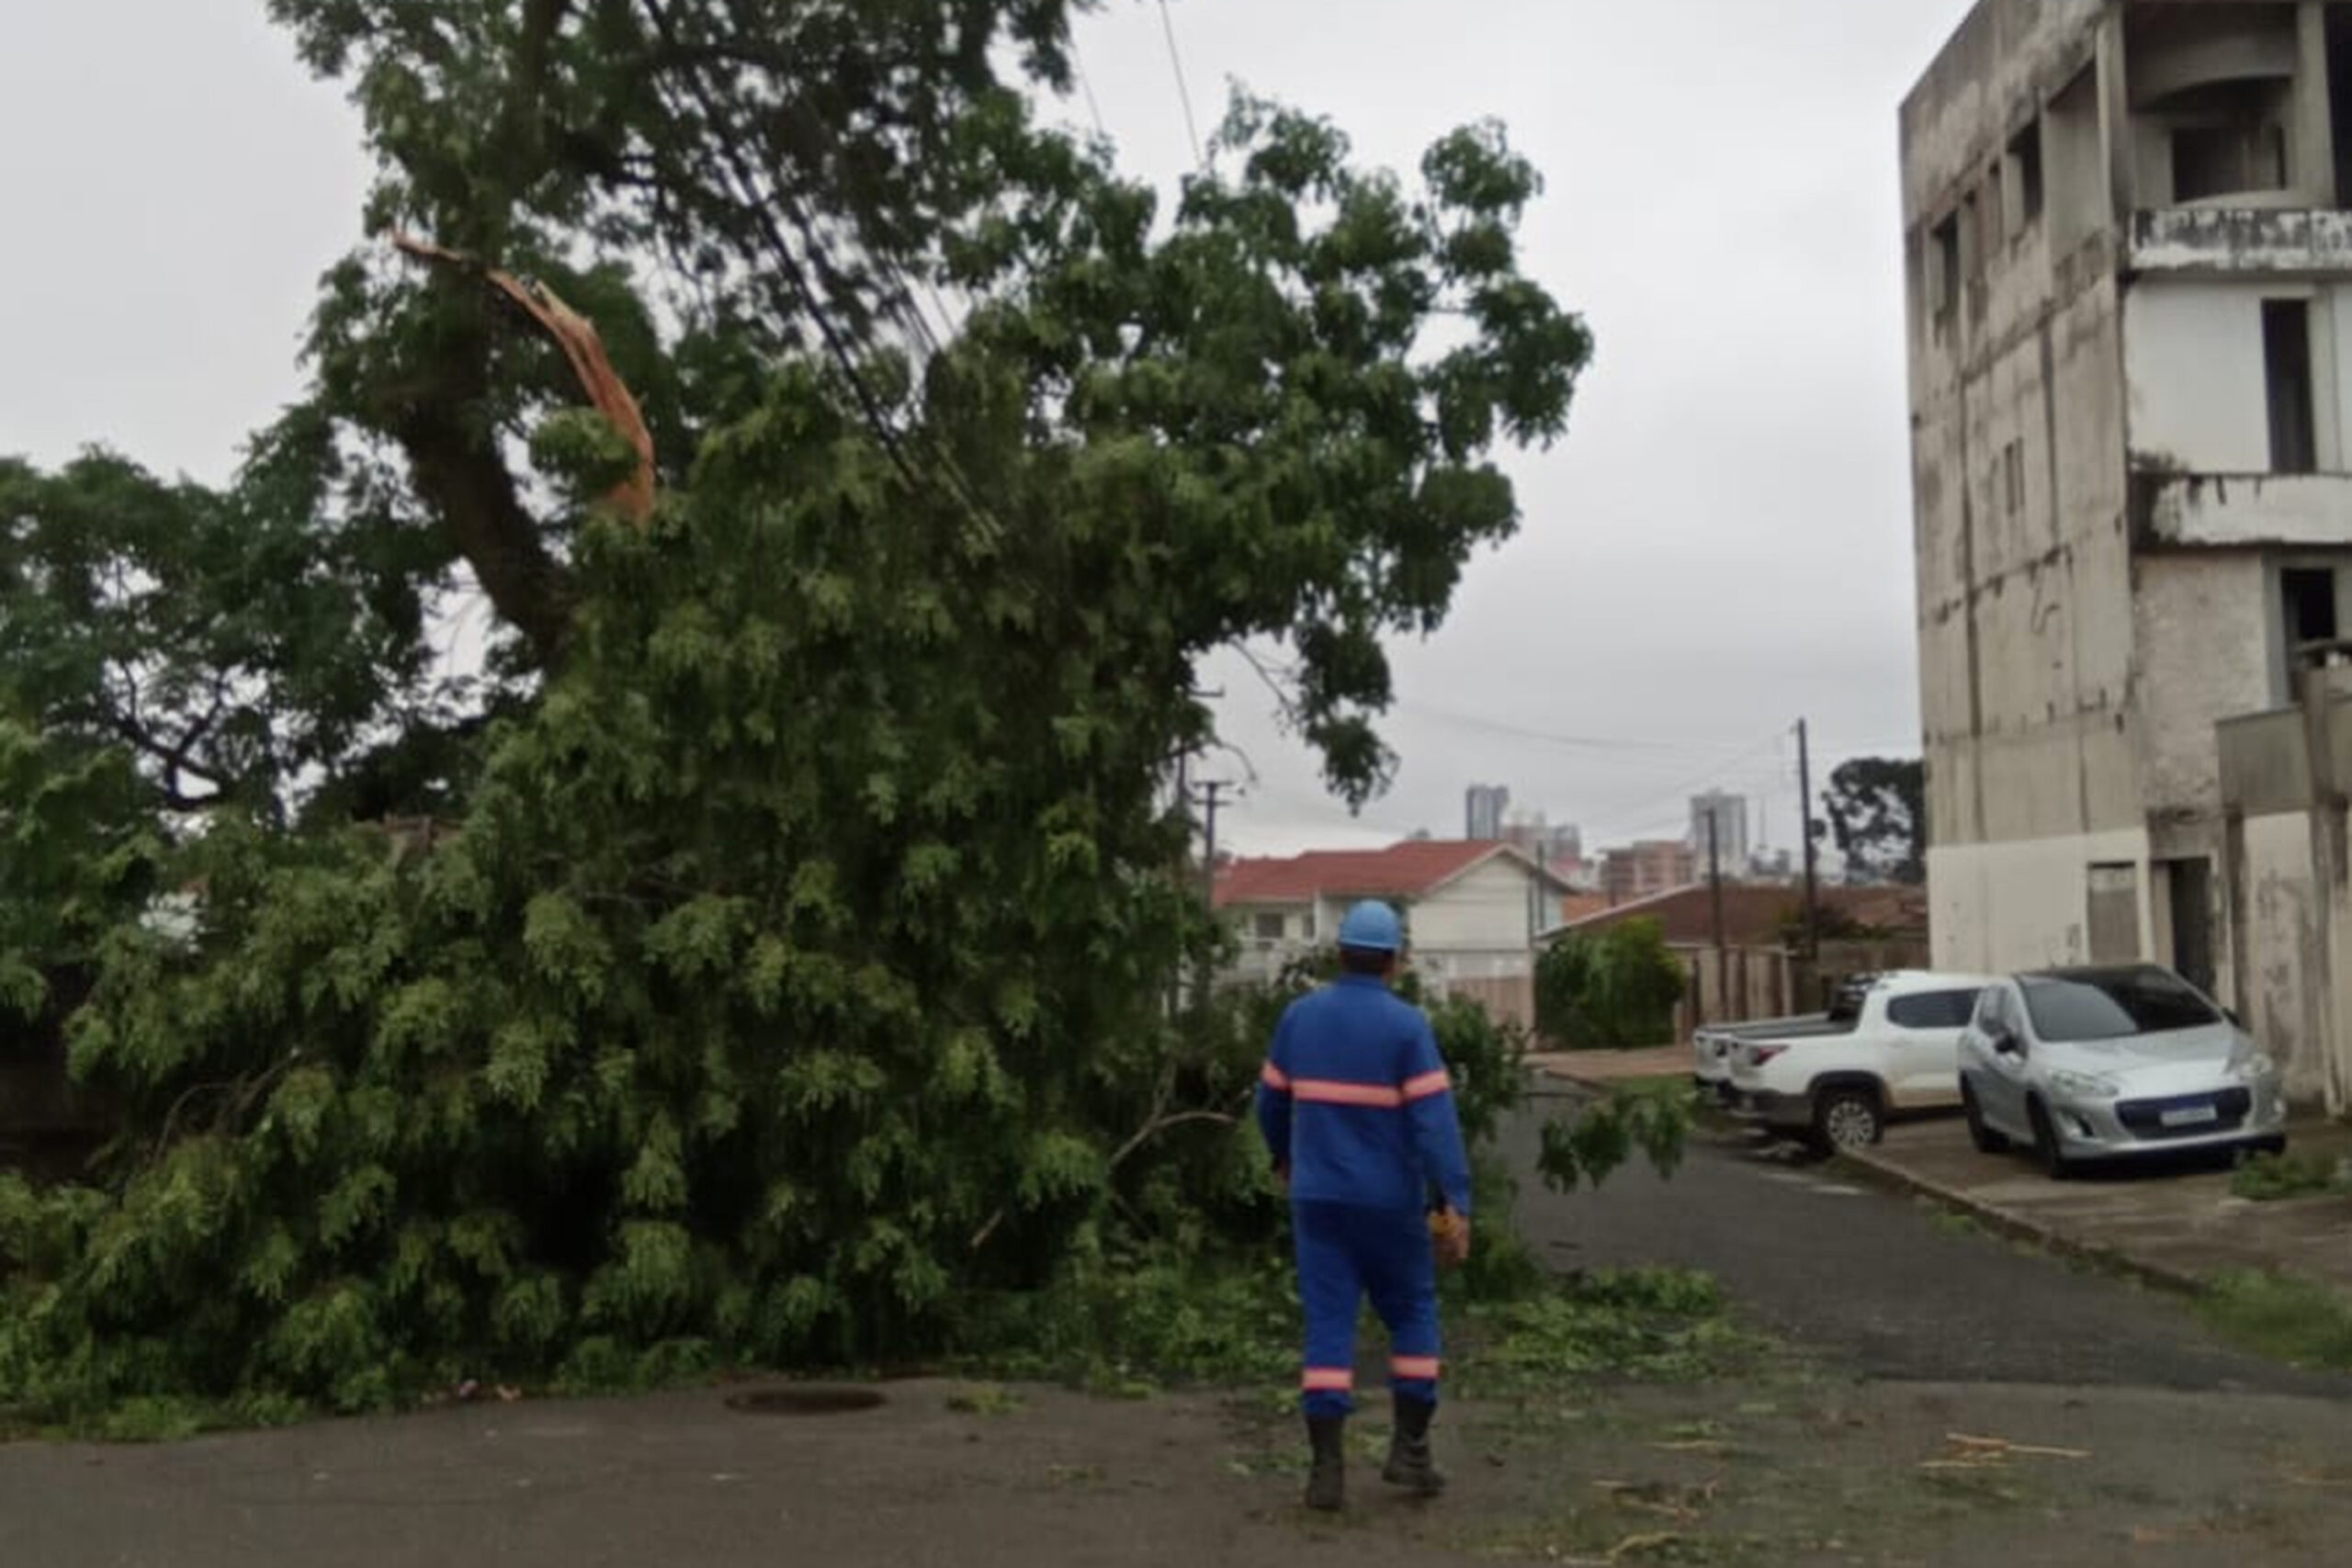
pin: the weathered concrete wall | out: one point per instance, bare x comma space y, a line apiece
2028, 623
2235, 241
2193, 358
2265, 766
2203, 629
2024, 903
2200, 401
2285, 980
2070, 680
2007, 57
2239, 511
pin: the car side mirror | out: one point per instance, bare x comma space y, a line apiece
2001, 1040
2232, 1014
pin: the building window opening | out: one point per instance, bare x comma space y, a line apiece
2024, 178
1271, 928
1943, 268
2189, 888
2307, 617
2287, 358
2013, 476
2212, 161
2077, 169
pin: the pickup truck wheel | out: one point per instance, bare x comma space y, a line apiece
1846, 1119
2046, 1149
1987, 1139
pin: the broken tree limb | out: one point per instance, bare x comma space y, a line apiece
2003, 1446
583, 345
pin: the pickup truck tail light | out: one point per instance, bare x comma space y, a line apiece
1760, 1055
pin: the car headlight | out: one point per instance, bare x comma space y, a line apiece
2253, 1065
2085, 1086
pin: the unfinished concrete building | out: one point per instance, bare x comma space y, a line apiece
2131, 334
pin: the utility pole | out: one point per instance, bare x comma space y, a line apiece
1716, 880
1212, 790
1812, 881
1184, 804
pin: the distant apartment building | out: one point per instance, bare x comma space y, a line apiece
2130, 280
1647, 869
1727, 816
1484, 808
1558, 849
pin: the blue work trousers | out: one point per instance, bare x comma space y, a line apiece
1346, 1253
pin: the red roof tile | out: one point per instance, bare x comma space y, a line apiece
1409, 870
1756, 914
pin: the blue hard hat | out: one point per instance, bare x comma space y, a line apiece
1371, 927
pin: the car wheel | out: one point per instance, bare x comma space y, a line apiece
1988, 1139
1846, 1119
2046, 1149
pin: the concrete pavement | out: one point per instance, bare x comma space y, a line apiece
2175, 1224
1862, 1280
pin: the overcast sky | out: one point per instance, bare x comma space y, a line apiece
1720, 546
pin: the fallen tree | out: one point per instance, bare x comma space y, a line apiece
788, 977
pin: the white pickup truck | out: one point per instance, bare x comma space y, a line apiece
1900, 1055
1713, 1047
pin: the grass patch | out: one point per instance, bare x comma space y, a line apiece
2269, 1179
984, 1399
1649, 1326
2299, 1322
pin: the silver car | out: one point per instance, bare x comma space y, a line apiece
2083, 1064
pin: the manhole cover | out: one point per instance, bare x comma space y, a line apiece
810, 1400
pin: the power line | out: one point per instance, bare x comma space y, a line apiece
1184, 92
1712, 776
1579, 743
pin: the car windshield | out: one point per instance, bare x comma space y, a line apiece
2113, 1005
1846, 1007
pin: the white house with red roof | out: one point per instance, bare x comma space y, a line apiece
1472, 910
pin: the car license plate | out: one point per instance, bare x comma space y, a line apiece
2192, 1116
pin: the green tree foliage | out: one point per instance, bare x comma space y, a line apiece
784, 975
1878, 815
1609, 990
1604, 1135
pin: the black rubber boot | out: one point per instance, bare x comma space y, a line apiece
1327, 1483
1409, 1464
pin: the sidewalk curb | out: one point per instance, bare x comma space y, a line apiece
1602, 1085
2016, 1227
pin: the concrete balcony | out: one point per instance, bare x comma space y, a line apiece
2241, 242
2243, 511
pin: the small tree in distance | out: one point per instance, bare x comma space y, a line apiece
1609, 990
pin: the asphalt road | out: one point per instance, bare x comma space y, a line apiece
1871, 1283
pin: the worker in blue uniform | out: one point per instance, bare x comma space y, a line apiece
1358, 1110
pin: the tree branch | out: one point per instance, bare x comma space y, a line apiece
458, 470
1168, 1123
583, 347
